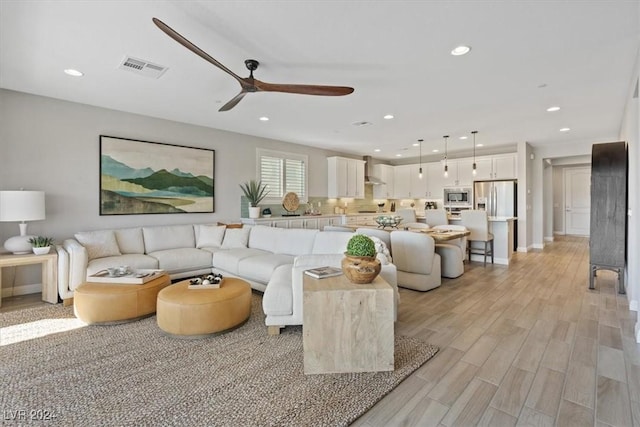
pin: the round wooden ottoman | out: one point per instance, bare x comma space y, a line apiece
105, 303
192, 312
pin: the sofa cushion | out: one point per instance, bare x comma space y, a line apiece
130, 240
183, 259
99, 244
236, 238
263, 237
168, 237
229, 259
330, 242
134, 261
278, 298
261, 267
295, 241
209, 236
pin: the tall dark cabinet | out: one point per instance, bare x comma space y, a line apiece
608, 245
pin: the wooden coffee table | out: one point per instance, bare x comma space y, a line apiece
347, 327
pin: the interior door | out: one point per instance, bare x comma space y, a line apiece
577, 200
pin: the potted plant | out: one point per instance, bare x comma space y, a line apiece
254, 191
41, 245
360, 264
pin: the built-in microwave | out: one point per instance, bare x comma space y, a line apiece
458, 196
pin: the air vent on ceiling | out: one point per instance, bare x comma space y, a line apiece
142, 67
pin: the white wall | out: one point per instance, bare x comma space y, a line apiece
630, 132
52, 145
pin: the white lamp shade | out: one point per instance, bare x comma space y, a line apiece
21, 206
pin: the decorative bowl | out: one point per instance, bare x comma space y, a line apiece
388, 221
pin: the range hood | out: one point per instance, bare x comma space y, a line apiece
368, 178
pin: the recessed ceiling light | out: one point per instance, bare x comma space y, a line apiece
398, 155
415, 144
463, 137
436, 151
73, 73
565, 129
264, 119
377, 150
552, 109
479, 145
460, 50
388, 116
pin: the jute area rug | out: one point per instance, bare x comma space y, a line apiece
135, 375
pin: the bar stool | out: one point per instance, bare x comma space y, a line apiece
477, 223
436, 217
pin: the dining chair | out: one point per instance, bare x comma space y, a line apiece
407, 215
477, 223
435, 217
460, 243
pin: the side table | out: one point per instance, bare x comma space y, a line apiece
49, 271
347, 327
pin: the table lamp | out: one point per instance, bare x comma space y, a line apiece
21, 206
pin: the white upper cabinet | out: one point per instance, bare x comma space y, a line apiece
346, 178
496, 167
402, 182
504, 167
460, 173
385, 174
434, 173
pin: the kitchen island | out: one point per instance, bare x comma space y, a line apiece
503, 238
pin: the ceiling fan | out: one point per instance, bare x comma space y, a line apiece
251, 84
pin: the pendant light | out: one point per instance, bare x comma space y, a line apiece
474, 151
420, 172
446, 167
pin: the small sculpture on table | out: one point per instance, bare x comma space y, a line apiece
209, 281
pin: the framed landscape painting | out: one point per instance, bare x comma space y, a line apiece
140, 177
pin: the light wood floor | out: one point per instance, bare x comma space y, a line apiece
525, 345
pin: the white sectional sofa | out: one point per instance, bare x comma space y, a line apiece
271, 259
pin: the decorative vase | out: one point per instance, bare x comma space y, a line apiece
254, 212
41, 251
360, 269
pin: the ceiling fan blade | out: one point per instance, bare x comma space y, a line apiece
195, 49
303, 89
229, 105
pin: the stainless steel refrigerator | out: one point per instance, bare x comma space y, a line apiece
498, 198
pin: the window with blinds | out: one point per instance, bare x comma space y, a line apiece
283, 173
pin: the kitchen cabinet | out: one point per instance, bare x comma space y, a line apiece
407, 183
460, 173
402, 182
385, 174
323, 222
346, 178
307, 222
496, 167
434, 173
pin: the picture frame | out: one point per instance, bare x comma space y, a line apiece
143, 177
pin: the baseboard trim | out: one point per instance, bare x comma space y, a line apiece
548, 239
522, 249
538, 246
21, 290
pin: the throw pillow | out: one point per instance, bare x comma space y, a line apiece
236, 238
381, 248
210, 236
99, 244
236, 225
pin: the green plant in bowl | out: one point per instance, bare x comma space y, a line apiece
361, 245
41, 242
